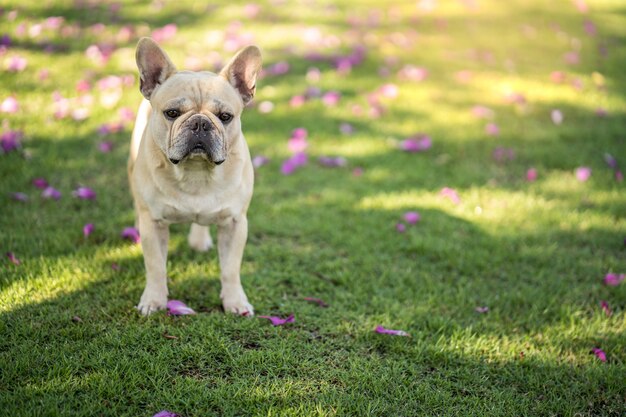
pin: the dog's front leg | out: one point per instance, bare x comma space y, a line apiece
154, 239
231, 240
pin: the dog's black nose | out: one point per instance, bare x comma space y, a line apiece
174, 161
219, 162
200, 123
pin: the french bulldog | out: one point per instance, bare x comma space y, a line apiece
189, 162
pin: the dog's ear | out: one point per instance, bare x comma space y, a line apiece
242, 70
154, 66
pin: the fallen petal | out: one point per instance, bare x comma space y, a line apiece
556, 116
401, 227
492, 129
131, 233
19, 197
178, 308
417, 143
40, 183
84, 193
260, 160
481, 310
332, 162
9, 105
165, 413
382, 330
51, 192
88, 229
613, 280
412, 217
451, 194
605, 307
599, 354
277, 321
531, 175
583, 173
105, 146
13, 258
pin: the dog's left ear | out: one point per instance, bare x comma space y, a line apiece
154, 66
242, 70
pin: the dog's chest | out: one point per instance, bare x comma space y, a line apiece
198, 210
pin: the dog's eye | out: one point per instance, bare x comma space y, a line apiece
225, 117
172, 113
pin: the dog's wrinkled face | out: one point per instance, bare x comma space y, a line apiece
196, 115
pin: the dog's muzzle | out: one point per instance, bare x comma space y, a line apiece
199, 136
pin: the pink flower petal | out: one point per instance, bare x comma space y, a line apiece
613, 280
492, 129
9, 105
482, 112
346, 128
605, 307
130, 233
318, 301
382, 330
293, 163
105, 146
178, 308
13, 258
260, 160
389, 91
10, 141
451, 194
400, 227
531, 175
417, 143
599, 354
84, 193
88, 229
277, 321
583, 173
165, 33
331, 98
610, 160
481, 309
165, 413
411, 217
51, 193
502, 155
19, 197
40, 183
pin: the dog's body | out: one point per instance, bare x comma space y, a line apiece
190, 163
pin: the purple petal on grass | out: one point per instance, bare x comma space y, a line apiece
482, 112
277, 321
178, 308
613, 280
583, 173
451, 194
130, 233
481, 309
531, 175
318, 301
400, 227
417, 143
88, 229
10, 140
40, 183
346, 128
13, 258
260, 160
332, 162
105, 146
165, 413
165, 33
51, 193
19, 197
599, 354
293, 163
619, 176
84, 193
382, 330
605, 307
331, 98
412, 217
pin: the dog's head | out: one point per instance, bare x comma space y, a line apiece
196, 114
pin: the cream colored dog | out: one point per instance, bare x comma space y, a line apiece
189, 162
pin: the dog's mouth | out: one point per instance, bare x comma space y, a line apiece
198, 150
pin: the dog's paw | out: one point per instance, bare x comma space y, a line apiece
151, 302
199, 238
237, 303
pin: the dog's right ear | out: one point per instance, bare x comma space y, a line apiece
154, 66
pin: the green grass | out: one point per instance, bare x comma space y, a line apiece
534, 253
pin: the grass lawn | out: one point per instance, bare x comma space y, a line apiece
521, 101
